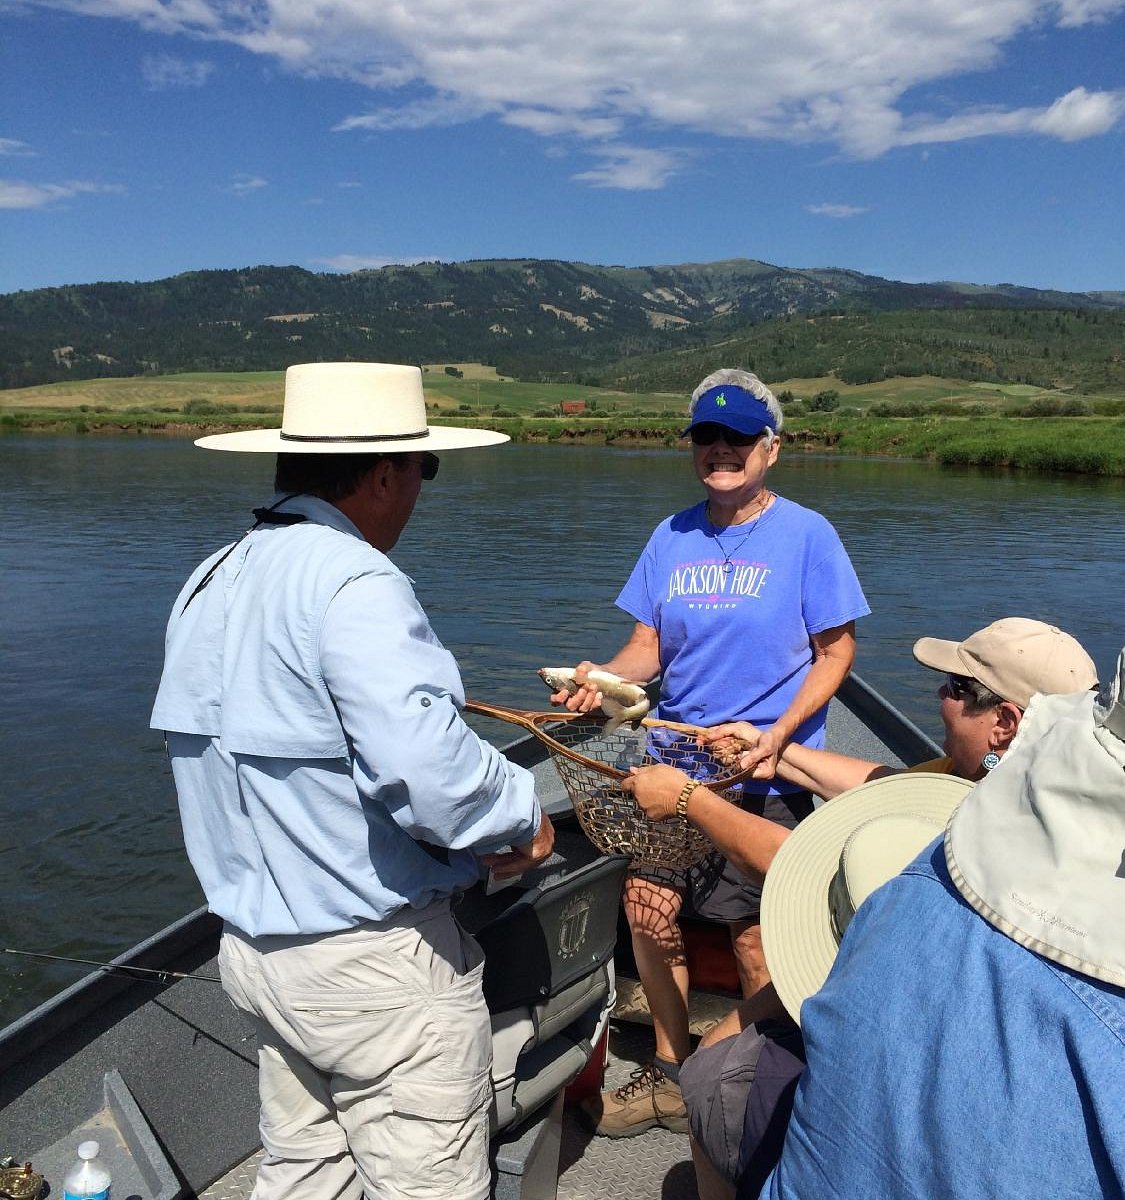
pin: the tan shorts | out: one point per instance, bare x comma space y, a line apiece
374, 1059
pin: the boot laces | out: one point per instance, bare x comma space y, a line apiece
642, 1079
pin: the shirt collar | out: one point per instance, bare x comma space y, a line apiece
320, 512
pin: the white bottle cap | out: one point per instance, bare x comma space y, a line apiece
88, 1150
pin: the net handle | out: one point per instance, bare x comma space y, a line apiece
533, 721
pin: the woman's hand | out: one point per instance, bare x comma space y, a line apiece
586, 698
748, 746
763, 755
731, 740
655, 789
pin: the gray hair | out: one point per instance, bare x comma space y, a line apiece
979, 698
749, 382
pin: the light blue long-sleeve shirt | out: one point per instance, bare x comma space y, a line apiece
313, 723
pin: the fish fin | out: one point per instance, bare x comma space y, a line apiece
615, 711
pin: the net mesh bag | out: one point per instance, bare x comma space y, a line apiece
592, 763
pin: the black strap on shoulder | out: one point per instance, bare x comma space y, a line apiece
262, 516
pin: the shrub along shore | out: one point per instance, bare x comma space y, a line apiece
999, 427
1088, 446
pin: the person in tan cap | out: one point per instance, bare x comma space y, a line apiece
333, 801
969, 1040
990, 679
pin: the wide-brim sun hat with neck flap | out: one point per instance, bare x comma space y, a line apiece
352, 408
829, 865
1038, 850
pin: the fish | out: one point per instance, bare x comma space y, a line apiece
622, 702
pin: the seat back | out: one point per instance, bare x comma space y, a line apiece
548, 971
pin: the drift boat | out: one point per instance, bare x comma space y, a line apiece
148, 1057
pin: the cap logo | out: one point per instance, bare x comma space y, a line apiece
721, 400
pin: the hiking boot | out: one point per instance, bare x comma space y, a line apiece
649, 1098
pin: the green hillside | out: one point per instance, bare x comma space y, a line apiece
548, 320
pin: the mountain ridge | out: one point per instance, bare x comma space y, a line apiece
530, 317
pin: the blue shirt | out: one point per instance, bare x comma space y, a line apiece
734, 644
944, 1060
313, 722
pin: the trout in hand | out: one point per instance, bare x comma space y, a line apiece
622, 701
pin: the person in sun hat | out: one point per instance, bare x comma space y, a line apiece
757, 1049
745, 604
333, 800
970, 1037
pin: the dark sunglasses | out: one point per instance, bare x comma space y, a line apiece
708, 434
429, 466
959, 686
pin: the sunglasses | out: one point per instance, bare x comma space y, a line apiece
429, 465
708, 434
959, 686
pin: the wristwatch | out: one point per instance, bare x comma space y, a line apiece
682, 799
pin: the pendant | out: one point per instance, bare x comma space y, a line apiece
727, 567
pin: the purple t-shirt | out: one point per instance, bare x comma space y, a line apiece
734, 643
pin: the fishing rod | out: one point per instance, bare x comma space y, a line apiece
162, 976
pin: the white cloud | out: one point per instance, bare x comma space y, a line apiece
368, 262
19, 193
830, 72
243, 185
553, 124
1081, 114
1085, 12
632, 168
1077, 115
163, 71
11, 148
840, 211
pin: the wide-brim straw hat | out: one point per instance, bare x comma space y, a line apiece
352, 408
834, 860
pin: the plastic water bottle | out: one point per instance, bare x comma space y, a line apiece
89, 1178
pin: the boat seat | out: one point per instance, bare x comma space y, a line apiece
548, 942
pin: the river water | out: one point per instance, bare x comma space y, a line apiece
517, 553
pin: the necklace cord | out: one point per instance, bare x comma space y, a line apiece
728, 565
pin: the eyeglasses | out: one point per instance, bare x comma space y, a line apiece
709, 433
429, 466
959, 686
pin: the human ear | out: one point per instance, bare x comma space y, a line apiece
1007, 721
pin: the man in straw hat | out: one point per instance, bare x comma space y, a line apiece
333, 800
970, 1038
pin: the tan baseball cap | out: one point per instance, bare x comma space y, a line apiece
1016, 658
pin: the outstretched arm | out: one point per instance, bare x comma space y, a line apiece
825, 772
749, 841
821, 771
638, 661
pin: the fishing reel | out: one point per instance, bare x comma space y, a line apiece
19, 1182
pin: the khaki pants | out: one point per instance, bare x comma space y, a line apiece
374, 1058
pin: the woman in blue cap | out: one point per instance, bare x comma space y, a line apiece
745, 605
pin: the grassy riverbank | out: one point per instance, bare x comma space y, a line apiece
946, 421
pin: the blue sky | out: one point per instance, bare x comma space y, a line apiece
916, 139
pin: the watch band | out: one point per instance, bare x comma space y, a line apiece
682, 799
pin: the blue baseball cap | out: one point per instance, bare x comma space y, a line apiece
732, 406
